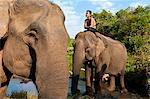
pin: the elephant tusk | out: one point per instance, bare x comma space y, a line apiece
82, 69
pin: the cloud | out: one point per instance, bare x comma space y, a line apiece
136, 4
72, 21
103, 4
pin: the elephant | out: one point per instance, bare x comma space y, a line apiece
34, 46
102, 53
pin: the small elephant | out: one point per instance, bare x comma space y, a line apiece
34, 45
104, 54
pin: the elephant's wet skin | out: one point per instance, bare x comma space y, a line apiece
35, 48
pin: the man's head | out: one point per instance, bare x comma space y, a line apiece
88, 13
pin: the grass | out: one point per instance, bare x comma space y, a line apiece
21, 95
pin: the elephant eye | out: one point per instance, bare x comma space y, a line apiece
32, 33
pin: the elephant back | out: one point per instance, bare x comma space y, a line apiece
107, 40
91, 37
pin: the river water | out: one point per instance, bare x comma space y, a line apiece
16, 85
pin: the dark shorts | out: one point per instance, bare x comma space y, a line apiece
91, 29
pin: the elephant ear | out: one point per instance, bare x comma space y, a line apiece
99, 47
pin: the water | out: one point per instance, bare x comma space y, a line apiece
15, 85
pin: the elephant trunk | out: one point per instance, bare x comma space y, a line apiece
52, 72
78, 60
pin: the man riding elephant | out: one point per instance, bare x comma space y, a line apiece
90, 23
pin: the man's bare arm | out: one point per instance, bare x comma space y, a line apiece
93, 23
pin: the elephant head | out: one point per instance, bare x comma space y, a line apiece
87, 47
36, 46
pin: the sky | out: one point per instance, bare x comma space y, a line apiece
74, 10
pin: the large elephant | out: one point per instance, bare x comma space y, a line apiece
102, 53
35, 46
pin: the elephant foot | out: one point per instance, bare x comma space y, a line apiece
76, 96
111, 89
124, 90
78, 91
89, 91
98, 96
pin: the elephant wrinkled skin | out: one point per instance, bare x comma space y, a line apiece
35, 45
102, 53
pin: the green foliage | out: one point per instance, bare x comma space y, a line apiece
133, 43
140, 57
70, 53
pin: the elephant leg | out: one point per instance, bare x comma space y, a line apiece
89, 79
74, 85
112, 83
124, 90
98, 77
